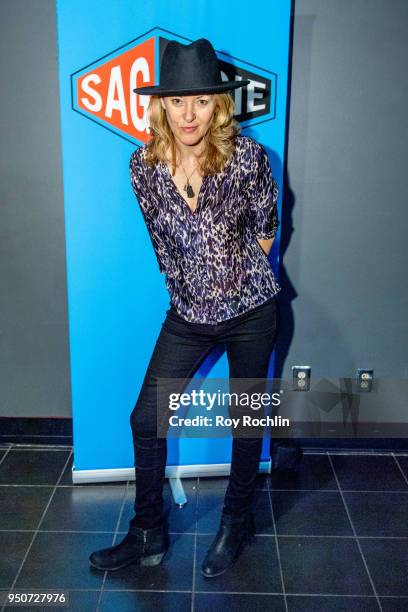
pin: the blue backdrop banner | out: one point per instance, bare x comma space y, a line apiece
117, 297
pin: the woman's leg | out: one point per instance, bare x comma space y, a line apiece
250, 340
249, 348
179, 350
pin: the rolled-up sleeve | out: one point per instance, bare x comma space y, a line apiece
148, 205
262, 192
140, 187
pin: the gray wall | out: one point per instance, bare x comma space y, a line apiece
34, 351
346, 193
345, 210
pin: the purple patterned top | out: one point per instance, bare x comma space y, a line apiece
214, 267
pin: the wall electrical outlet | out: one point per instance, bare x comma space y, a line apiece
301, 378
364, 379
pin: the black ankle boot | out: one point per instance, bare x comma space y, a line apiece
233, 533
143, 546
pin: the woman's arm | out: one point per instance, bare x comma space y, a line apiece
139, 184
149, 206
262, 192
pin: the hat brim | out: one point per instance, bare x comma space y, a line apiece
156, 90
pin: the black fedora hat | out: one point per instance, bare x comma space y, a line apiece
189, 69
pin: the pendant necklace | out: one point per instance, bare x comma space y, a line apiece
187, 187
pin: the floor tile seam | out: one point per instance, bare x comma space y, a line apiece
291, 594
355, 534
5, 455
294, 490
38, 526
208, 533
197, 490
275, 536
105, 574
400, 468
33, 446
374, 453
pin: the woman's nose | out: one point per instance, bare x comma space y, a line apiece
189, 114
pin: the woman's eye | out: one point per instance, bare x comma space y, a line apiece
203, 102
176, 101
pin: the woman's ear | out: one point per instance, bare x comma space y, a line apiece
162, 103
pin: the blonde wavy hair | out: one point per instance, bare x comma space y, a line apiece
219, 141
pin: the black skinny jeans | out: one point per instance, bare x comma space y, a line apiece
180, 349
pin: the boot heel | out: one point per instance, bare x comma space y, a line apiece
152, 560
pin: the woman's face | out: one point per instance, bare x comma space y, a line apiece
189, 117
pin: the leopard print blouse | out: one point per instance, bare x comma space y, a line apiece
214, 267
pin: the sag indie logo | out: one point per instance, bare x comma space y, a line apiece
103, 90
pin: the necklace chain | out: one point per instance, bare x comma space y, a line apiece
187, 187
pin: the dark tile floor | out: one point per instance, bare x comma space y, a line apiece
333, 538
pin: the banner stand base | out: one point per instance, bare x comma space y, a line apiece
172, 472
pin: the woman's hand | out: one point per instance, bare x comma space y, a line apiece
266, 245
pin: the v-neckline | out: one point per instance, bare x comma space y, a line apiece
176, 189
219, 177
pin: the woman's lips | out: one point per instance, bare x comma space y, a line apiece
189, 129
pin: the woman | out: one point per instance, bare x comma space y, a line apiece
207, 196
